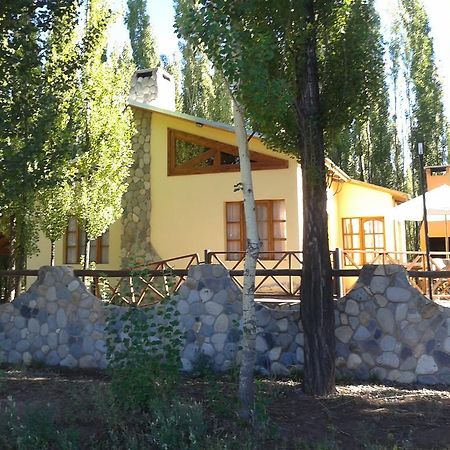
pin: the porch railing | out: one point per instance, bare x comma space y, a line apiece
279, 277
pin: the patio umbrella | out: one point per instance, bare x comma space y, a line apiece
438, 208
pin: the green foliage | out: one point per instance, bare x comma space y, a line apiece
363, 147
105, 129
173, 66
53, 209
143, 350
36, 429
37, 78
424, 109
143, 43
258, 46
204, 92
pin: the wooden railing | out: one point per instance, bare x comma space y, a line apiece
280, 277
139, 286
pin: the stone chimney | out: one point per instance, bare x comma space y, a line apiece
153, 87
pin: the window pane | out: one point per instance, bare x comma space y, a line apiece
72, 240
228, 159
347, 226
72, 226
378, 226
279, 246
105, 255
369, 241
356, 242
368, 226
355, 226
71, 255
279, 230
348, 242
279, 210
93, 247
105, 238
233, 212
233, 231
261, 212
263, 231
185, 151
379, 241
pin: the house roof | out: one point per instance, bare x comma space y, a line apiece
337, 172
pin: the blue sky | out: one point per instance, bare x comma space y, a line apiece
162, 17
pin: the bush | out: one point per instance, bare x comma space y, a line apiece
143, 351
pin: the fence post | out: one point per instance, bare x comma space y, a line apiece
337, 265
207, 256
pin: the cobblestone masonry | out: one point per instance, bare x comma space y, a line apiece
384, 327
56, 322
153, 87
136, 202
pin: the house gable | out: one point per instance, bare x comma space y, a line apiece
190, 154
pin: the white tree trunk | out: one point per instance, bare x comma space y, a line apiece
246, 381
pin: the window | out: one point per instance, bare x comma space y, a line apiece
190, 154
363, 233
75, 241
271, 220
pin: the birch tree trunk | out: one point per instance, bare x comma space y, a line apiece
246, 375
87, 253
52, 253
317, 304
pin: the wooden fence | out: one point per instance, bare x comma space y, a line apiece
276, 279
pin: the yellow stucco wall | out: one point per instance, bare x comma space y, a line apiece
188, 211
43, 257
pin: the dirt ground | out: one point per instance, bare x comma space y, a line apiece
366, 416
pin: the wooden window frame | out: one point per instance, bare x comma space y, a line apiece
362, 235
270, 228
79, 250
215, 148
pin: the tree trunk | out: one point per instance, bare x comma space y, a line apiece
52, 253
246, 375
87, 253
11, 282
317, 305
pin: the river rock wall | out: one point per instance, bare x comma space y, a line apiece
388, 330
385, 328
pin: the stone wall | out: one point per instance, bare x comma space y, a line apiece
135, 240
210, 306
56, 322
386, 329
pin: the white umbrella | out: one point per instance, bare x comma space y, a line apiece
438, 208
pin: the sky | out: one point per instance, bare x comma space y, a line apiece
162, 18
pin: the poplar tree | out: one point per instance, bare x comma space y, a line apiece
425, 111
30, 104
198, 91
143, 42
290, 75
105, 125
363, 148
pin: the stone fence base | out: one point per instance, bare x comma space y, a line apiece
384, 327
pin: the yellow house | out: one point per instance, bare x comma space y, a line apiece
182, 197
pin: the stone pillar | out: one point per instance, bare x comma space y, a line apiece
136, 247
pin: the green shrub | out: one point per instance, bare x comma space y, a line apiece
34, 430
143, 351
